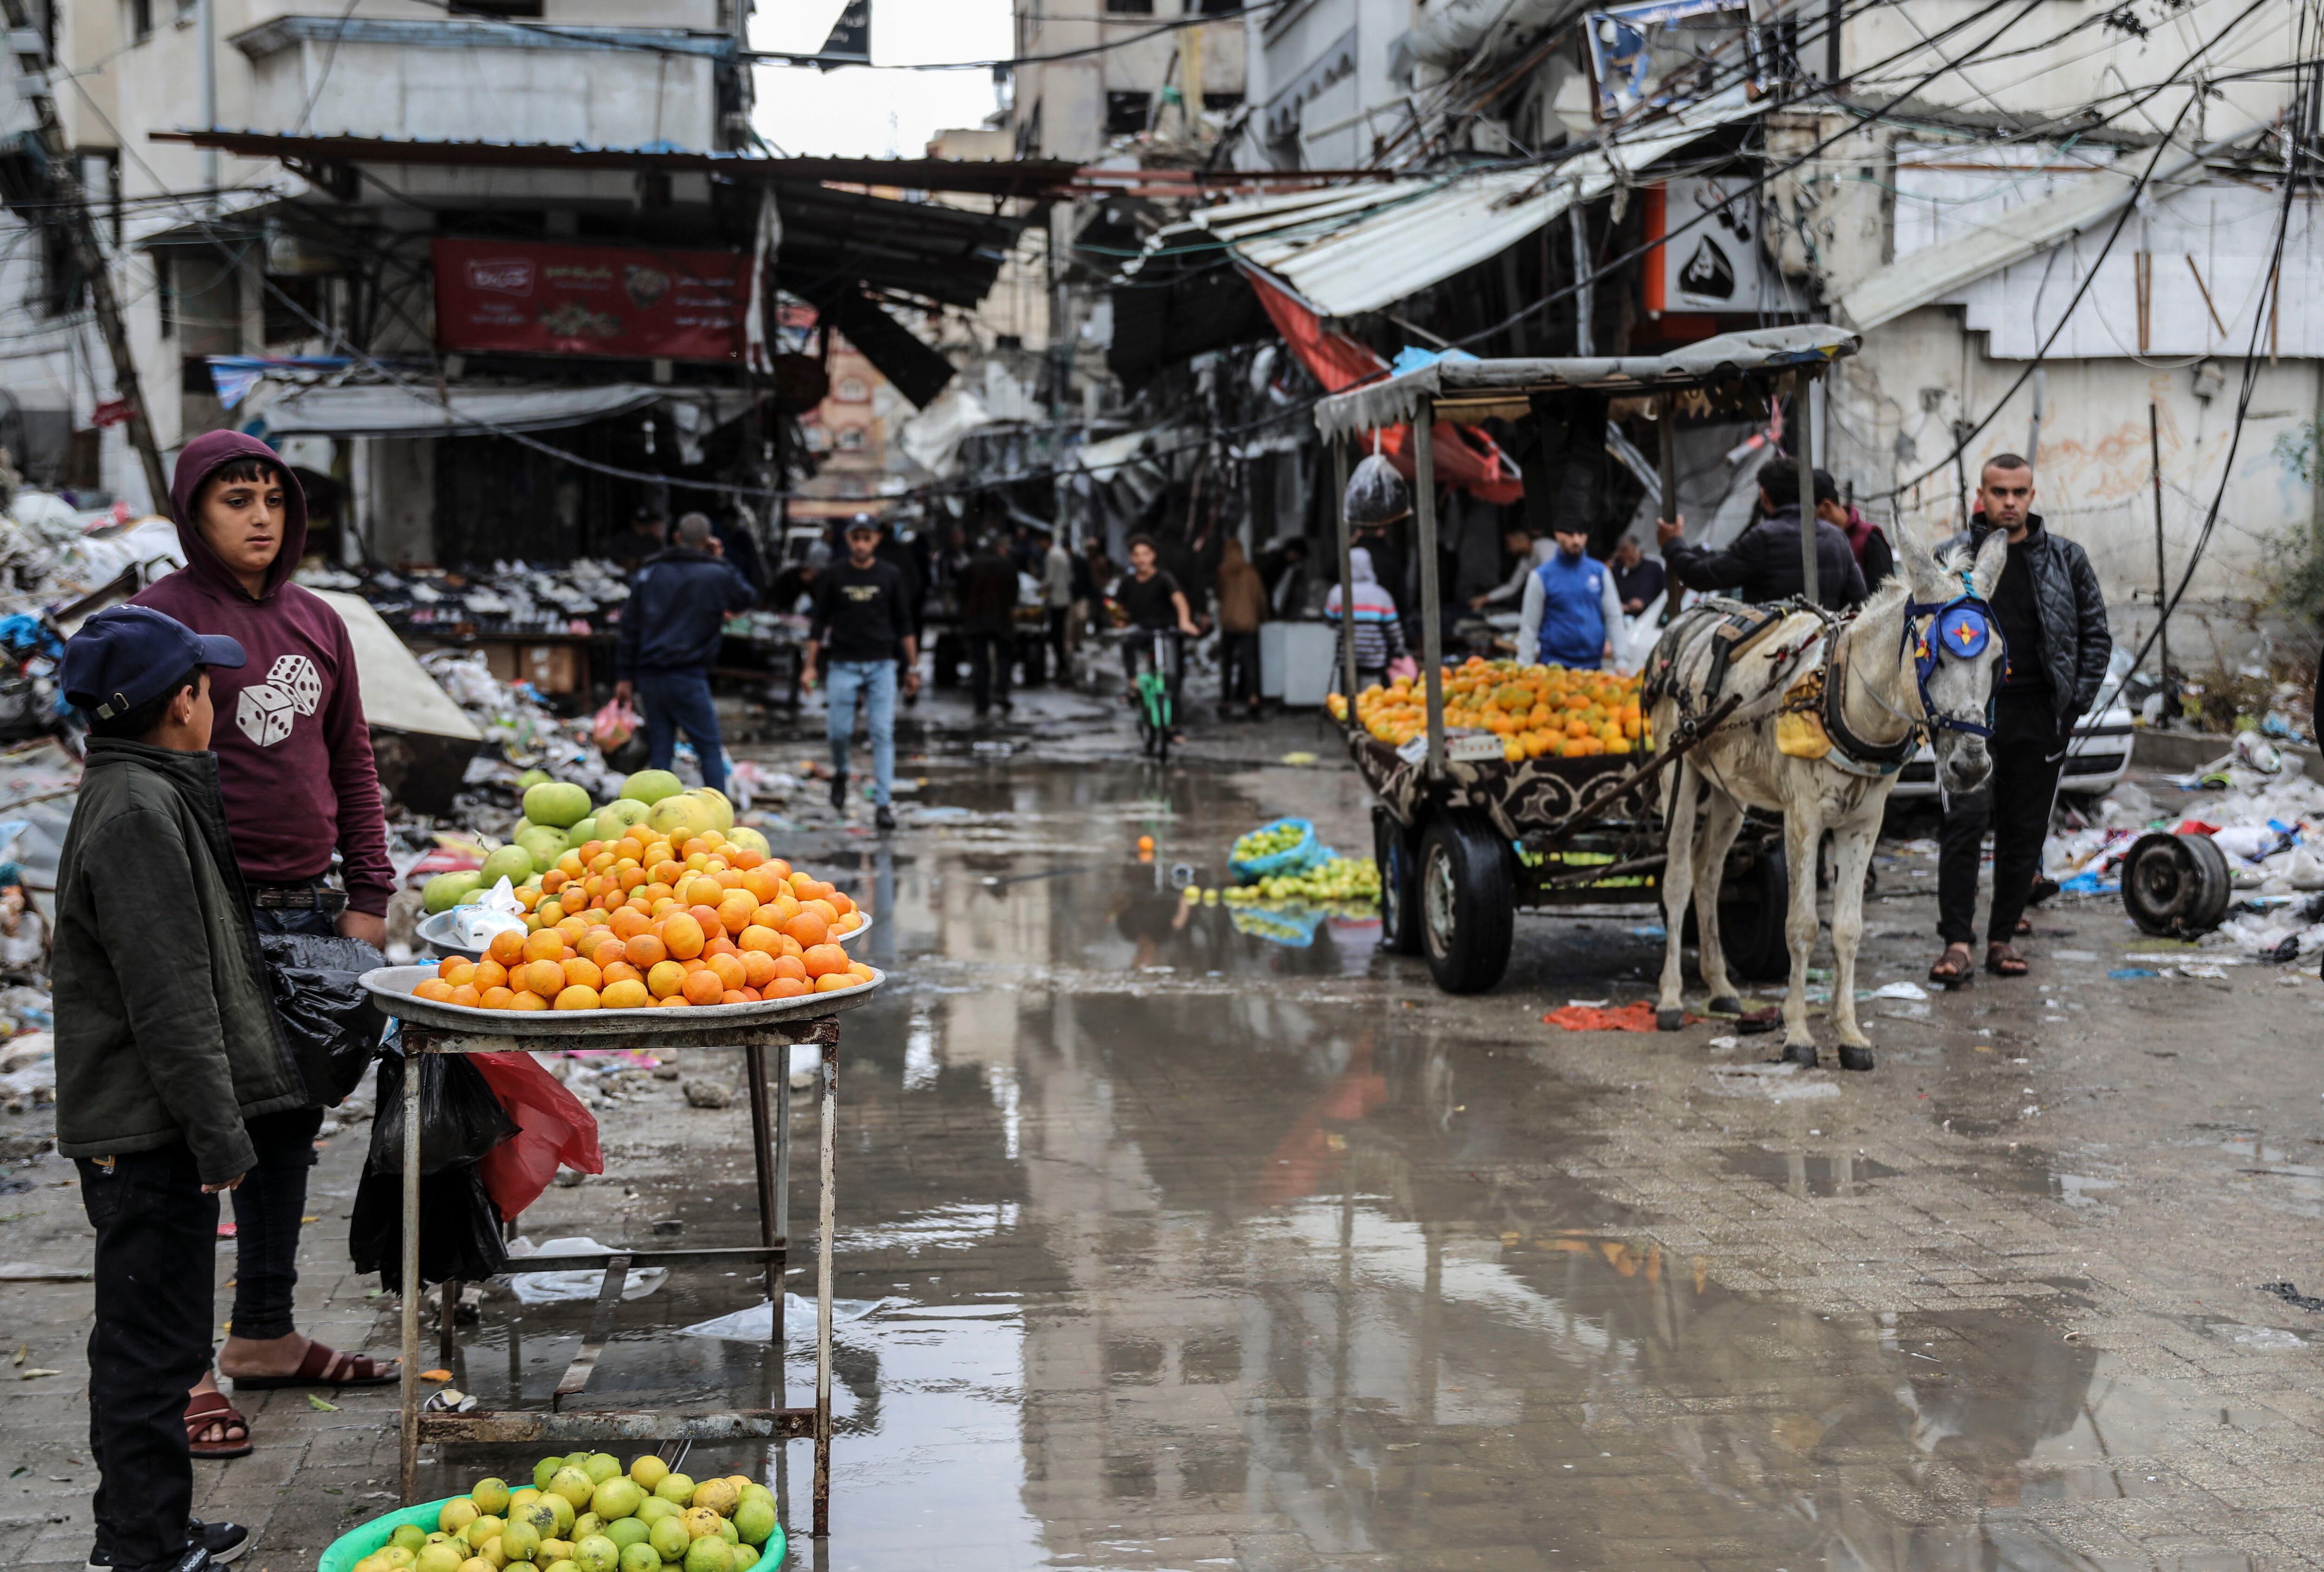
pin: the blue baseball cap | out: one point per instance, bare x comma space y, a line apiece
128, 656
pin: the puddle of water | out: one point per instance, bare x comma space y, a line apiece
1805, 1173
1216, 1276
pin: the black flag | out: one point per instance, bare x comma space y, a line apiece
850, 44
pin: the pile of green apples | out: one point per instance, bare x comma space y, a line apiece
584, 1513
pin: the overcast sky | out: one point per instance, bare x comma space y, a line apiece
873, 112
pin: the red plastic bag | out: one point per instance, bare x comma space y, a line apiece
553, 1131
616, 725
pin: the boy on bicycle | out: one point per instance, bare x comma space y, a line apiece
1155, 604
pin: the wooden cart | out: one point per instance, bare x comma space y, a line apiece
1466, 838
753, 1029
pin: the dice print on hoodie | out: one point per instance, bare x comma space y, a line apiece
267, 711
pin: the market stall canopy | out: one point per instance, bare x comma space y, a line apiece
1465, 391
1004, 178
417, 409
1347, 250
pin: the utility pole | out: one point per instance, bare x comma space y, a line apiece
65, 188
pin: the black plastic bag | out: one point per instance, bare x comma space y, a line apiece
459, 1228
460, 1119
332, 1021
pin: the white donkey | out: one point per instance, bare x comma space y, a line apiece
1922, 656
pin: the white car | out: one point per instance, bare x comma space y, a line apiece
2096, 759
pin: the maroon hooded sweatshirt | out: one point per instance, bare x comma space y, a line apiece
294, 756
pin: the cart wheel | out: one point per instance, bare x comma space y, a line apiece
1467, 907
1400, 885
1751, 924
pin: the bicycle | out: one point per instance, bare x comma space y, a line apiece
1150, 696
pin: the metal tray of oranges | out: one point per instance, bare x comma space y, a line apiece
393, 986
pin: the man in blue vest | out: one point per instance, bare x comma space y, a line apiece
1571, 607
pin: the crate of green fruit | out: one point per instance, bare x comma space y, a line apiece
582, 1512
1286, 846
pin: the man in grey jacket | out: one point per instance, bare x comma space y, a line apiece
2053, 624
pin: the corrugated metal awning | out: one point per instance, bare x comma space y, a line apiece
1469, 391
1345, 250
386, 409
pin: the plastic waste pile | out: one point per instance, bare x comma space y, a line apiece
518, 726
2259, 809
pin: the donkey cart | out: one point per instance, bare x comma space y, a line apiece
1466, 836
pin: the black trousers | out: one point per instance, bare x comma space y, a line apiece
273, 1196
156, 1269
1239, 669
990, 657
2015, 803
1059, 644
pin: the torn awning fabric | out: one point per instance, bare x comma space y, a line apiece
1465, 457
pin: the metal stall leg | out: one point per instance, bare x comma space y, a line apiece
1803, 429
414, 1053
1347, 575
754, 1066
828, 1033
1431, 621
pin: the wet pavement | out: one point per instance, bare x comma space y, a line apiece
1178, 1247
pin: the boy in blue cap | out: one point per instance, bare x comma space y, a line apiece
166, 1045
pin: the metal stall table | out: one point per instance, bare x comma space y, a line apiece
1464, 835
429, 1027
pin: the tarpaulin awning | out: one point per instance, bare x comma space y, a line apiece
387, 409
1347, 250
1469, 391
1464, 458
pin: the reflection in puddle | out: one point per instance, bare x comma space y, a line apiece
1803, 1173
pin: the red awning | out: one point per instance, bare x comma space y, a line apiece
1465, 457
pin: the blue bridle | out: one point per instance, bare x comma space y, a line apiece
1964, 627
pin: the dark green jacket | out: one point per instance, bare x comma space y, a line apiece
164, 1030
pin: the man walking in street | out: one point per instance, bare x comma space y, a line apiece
296, 772
670, 627
863, 622
1763, 563
2053, 627
988, 617
1058, 602
1242, 606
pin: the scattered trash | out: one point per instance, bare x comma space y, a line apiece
1636, 1017
2292, 1296
1895, 991
1724, 1044
570, 1287
757, 1324
434, 1375
2124, 973
321, 1403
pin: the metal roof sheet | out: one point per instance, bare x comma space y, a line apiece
1469, 391
1345, 250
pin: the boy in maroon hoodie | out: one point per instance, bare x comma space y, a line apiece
295, 766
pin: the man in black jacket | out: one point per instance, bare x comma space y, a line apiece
1763, 564
2053, 621
670, 627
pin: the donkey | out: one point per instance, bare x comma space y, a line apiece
1923, 654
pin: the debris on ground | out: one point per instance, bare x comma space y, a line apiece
1632, 1017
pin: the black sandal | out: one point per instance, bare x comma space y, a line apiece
1950, 972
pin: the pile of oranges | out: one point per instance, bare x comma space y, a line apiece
1538, 711
635, 924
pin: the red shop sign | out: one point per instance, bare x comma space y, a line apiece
531, 297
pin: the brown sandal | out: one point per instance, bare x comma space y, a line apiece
323, 1366
1948, 971
2002, 960
207, 1410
